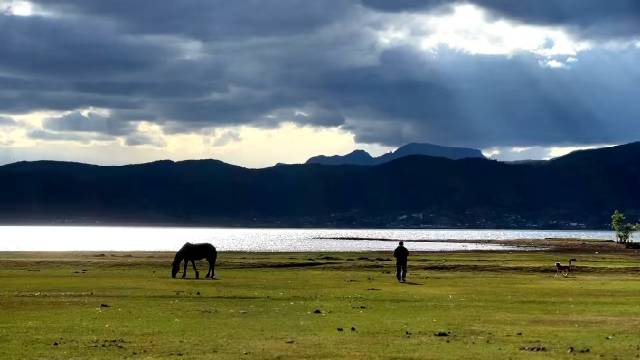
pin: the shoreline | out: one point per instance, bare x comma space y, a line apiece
268, 226
547, 245
534, 259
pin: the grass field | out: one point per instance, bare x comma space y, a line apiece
346, 305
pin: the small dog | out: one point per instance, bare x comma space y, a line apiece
564, 269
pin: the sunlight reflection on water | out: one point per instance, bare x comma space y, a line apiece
99, 238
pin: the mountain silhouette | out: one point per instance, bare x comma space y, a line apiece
363, 158
357, 157
579, 190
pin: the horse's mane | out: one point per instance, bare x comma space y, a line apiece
179, 254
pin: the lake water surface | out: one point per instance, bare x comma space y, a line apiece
102, 238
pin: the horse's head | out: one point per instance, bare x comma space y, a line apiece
175, 266
174, 269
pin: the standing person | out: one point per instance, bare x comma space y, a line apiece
401, 254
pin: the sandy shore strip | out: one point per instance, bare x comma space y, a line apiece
547, 244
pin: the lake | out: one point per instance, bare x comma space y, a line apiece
103, 238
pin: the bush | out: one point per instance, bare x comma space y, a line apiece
623, 230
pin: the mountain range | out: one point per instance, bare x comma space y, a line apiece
578, 190
363, 158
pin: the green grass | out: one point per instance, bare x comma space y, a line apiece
495, 306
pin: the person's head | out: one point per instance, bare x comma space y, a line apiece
401, 243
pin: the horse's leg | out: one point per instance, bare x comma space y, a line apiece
184, 273
193, 263
212, 263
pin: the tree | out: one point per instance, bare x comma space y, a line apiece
623, 230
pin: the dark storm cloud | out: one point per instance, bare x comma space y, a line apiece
212, 19
192, 65
90, 122
588, 17
76, 60
406, 5
484, 100
71, 47
591, 17
91, 126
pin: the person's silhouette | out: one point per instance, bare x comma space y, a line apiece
401, 254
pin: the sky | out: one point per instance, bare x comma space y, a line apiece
254, 82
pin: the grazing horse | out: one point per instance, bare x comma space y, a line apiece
192, 252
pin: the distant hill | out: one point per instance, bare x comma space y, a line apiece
522, 162
579, 190
362, 158
357, 157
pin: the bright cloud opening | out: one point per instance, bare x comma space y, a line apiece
468, 28
16, 8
